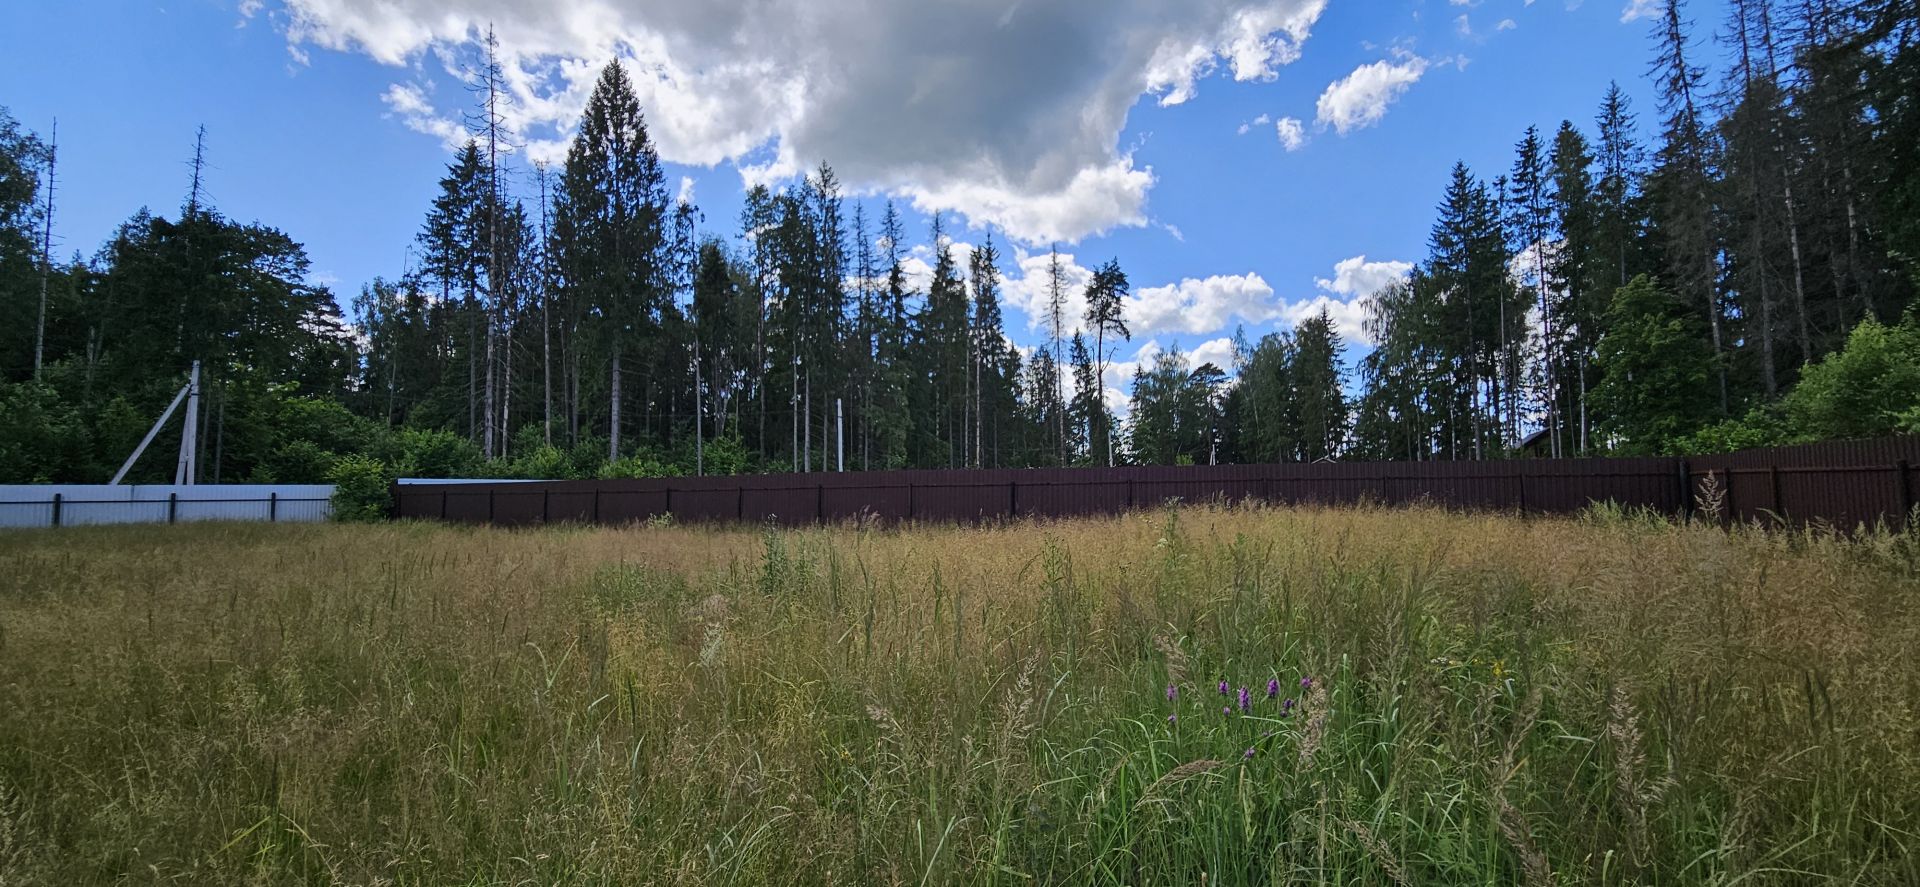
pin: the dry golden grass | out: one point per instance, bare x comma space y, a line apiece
1609, 700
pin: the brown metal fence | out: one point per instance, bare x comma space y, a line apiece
1843, 483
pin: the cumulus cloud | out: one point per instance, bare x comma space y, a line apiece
1506, 24
1347, 293
1292, 134
1360, 99
1201, 305
1007, 112
1358, 277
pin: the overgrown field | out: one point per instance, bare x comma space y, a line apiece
1208, 695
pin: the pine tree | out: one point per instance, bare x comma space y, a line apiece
1105, 297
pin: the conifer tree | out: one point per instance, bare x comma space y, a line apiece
1682, 187
613, 196
1106, 296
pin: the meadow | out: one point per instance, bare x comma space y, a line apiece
1183, 696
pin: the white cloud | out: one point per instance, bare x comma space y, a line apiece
409, 102
1360, 99
1027, 288
1261, 120
1292, 134
1358, 277
1354, 282
1639, 9
1348, 315
1462, 26
1506, 24
1218, 352
1201, 305
686, 190
1008, 113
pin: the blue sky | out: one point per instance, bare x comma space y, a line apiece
1113, 125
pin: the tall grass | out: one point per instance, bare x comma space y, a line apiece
1456, 699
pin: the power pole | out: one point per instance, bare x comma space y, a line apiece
185, 470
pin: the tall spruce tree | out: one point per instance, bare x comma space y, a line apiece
1682, 187
613, 197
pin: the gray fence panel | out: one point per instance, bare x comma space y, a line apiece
70, 505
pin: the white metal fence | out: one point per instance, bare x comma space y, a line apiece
65, 505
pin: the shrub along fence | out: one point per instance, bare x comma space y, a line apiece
1844, 483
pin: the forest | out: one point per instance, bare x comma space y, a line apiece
1734, 267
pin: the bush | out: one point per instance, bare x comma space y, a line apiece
361, 488
1863, 390
542, 463
435, 454
1870, 388
644, 463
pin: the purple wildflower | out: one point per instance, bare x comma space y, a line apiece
1246, 700
1224, 688
1306, 683
1273, 687
1226, 709
1173, 692
1286, 708
1249, 755
1172, 718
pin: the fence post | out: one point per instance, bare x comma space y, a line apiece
1773, 479
56, 501
273, 506
596, 504
1129, 494
910, 510
1522, 476
1013, 498
173, 506
1903, 492
1686, 490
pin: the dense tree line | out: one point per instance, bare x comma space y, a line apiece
1610, 295
1605, 293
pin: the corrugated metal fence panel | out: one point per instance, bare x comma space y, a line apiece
33, 505
1844, 483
